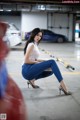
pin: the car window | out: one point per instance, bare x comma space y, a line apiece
12, 27
47, 32
51, 32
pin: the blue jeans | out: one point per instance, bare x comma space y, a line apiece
37, 71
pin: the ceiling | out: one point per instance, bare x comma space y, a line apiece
42, 1
40, 5
34, 1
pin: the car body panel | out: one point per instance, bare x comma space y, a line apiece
12, 36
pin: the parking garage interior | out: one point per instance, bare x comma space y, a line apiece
59, 16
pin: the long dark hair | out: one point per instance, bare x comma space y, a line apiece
34, 32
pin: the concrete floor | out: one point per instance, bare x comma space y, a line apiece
46, 103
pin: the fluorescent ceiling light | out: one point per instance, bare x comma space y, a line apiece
1, 9
8, 10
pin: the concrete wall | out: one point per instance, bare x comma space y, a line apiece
12, 19
59, 23
31, 20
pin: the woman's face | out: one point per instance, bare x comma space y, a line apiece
38, 37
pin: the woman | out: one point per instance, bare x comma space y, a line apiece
33, 68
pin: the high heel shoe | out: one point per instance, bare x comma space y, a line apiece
65, 92
30, 83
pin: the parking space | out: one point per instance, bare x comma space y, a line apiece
46, 103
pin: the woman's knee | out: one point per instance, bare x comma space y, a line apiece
52, 61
